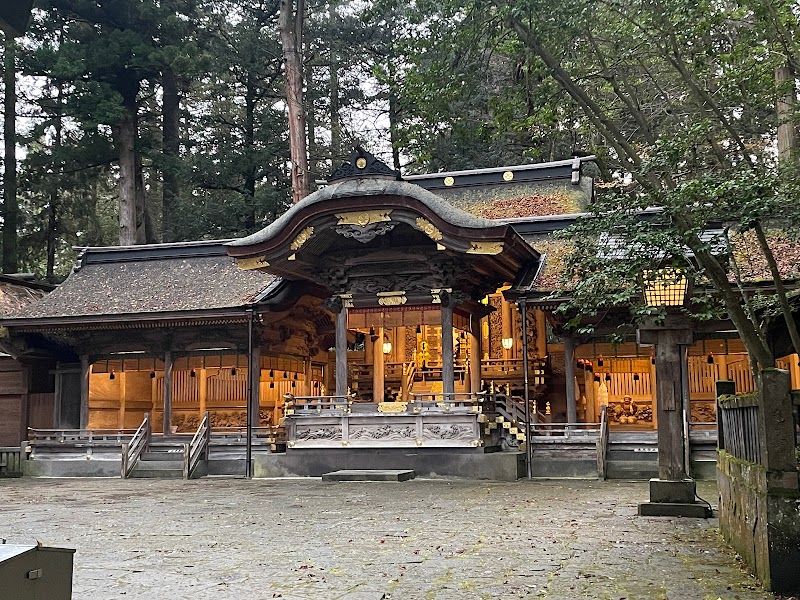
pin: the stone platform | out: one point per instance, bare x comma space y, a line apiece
369, 475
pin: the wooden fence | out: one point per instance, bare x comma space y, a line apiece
11, 462
738, 424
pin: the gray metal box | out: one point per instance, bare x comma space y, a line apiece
35, 573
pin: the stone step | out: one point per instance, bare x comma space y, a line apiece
631, 455
155, 474
633, 469
162, 456
369, 475
158, 469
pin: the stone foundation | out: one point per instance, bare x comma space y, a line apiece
761, 524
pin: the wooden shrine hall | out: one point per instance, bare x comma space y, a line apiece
380, 322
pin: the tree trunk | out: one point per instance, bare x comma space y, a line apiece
170, 150
787, 132
336, 125
52, 218
10, 203
394, 120
290, 25
131, 206
249, 172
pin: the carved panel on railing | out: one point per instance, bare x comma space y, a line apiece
319, 433
447, 432
383, 432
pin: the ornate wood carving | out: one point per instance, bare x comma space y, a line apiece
428, 229
302, 238
319, 433
365, 233
496, 327
364, 218
485, 248
383, 432
411, 344
249, 264
392, 298
447, 432
362, 164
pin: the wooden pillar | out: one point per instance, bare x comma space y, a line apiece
341, 349
507, 325
84, 408
474, 360
254, 373
202, 391
167, 414
399, 346
448, 373
687, 409
541, 334
378, 367
669, 398
123, 398
569, 374
307, 387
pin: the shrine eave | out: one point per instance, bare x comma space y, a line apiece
368, 207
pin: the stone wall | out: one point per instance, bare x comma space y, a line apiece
761, 523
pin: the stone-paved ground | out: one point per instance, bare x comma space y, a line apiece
298, 539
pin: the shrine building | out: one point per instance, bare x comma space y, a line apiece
381, 322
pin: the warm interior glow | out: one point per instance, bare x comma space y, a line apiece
387, 347
507, 343
665, 287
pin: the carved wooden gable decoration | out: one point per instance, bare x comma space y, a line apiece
376, 240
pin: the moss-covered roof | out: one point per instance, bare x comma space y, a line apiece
150, 279
16, 295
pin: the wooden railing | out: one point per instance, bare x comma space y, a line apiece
500, 368
198, 448
738, 426
740, 373
138, 444
11, 462
315, 405
79, 437
602, 444
449, 402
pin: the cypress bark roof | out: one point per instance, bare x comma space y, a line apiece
16, 294
150, 279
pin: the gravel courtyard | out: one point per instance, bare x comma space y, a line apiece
305, 539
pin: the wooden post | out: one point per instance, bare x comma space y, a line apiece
377, 367
341, 348
569, 373
448, 373
399, 346
254, 373
202, 391
507, 321
475, 358
84, 409
307, 387
669, 397
687, 409
123, 398
167, 411
541, 334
